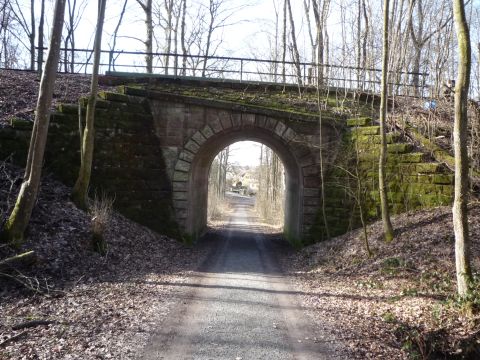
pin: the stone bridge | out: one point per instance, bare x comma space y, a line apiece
191, 131
154, 149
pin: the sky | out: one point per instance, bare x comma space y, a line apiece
245, 153
244, 37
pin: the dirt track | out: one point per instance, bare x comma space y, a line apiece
238, 305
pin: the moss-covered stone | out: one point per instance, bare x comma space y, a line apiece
429, 168
20, 124
362, 121
366, 130
399, 148
446, 179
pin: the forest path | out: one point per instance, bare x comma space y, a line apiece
238, 304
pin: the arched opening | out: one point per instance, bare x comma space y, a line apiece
199, 172
247, 177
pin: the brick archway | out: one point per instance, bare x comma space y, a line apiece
190, 177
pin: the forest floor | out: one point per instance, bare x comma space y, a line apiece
91, 306
401, 302
19, 92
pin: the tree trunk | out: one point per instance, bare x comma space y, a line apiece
112, 58
284, 42
182, 39
16, 224
149, 40
382, 184
460, 216
80, 190
147, 9
32, 35
169, 9
209, 36
40, 38
296, 55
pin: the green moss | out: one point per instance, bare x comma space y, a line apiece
68, 108
412, 157
429, 168
362, 121
20, 124
446, 179
399, 148
366, 130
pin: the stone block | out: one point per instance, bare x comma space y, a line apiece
443, 179
181, 213
311, 170
180, 186
260, 120
169, 155
180, 195
225, 119
180, 204
366, 130
315, 201
182, 166
363, 121
311, 192
271, 123
236, 120
306, 161
289, 135
248, 120
207, 131
280, 128
310, 209
399, 148
199, 138
429, 168
311, 181
180, 176
186, 156
192, 146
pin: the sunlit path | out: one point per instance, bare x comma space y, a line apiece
238, 305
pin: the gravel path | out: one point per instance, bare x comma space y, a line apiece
238, 305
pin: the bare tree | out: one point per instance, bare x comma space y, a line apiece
270, 196
146, 6
169, 15
75, 10
41, 24
8, 49
80, 190
284, 41
296, 55
423, 27
182, 38
320, 13
113, 44
460, 214
382, 184
27, 24
16, 224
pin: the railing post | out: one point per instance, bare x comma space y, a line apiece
304, 73
241, 70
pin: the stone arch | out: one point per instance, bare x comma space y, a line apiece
190, 177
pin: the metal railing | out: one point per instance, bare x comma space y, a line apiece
246, 69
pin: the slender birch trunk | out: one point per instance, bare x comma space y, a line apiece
80, 190
460, 216
382, 184
18, 220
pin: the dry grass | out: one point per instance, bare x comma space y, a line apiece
101, 211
